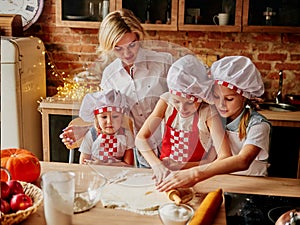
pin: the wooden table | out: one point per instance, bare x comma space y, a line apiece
229, 183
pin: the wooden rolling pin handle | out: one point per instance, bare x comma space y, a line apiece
174, 195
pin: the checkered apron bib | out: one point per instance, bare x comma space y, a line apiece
108, 147
181, 145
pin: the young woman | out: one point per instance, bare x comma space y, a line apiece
237, 81
193, 130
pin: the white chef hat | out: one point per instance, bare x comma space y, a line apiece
240, 74
102, 101
187, 77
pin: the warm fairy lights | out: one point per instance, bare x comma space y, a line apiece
75, 91
75, 86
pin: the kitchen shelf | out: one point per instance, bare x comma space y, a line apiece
246, 15
62, 19
157, 13
207, 12
286, 19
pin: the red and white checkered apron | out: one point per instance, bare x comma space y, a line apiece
181, 145
108, 146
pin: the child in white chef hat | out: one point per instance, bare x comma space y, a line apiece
108, 142
237, 81
193, 130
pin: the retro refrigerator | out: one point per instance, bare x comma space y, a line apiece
23, 83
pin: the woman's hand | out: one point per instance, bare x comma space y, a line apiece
178, 179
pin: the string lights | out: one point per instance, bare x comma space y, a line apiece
75, 85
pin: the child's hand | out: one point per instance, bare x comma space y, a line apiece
73, 133
68, 136
92, 161
160, 172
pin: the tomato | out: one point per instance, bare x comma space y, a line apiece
22, 164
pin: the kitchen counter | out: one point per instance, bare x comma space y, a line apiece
72, 107
285, 119
229, 183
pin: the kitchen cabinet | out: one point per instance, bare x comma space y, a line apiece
284, 151
78, 14
153, 14
279, 16
56, 116
208, 9
271, 16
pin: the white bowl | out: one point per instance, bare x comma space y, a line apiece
88, 187
172, 214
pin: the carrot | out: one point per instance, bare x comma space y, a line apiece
206, 212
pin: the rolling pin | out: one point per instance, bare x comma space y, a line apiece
174, 195
207, 211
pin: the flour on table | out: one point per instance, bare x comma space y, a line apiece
136, 194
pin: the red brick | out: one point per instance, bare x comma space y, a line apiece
291, 38
263, 66
194, 34
211, 44
295, 57
287, 66
260, 47
272, 57
265, 37
235, 45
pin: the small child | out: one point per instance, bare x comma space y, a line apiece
193, 130
110, 142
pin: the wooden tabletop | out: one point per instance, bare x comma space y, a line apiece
229, 183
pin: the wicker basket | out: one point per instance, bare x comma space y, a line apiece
36, 195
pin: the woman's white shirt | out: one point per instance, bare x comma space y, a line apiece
149, 82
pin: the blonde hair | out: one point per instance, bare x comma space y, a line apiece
114, 26
244, 124
250, 104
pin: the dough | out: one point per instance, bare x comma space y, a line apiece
137, 193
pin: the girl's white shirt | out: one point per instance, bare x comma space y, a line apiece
258, 134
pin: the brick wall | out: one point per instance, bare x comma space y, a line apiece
71, 49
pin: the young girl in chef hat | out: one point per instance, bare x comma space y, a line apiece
237, 81
193, 129
108, 142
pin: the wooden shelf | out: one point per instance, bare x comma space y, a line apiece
260, 28
178, 18
60, 22
214, 28
165, 27
271, 29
